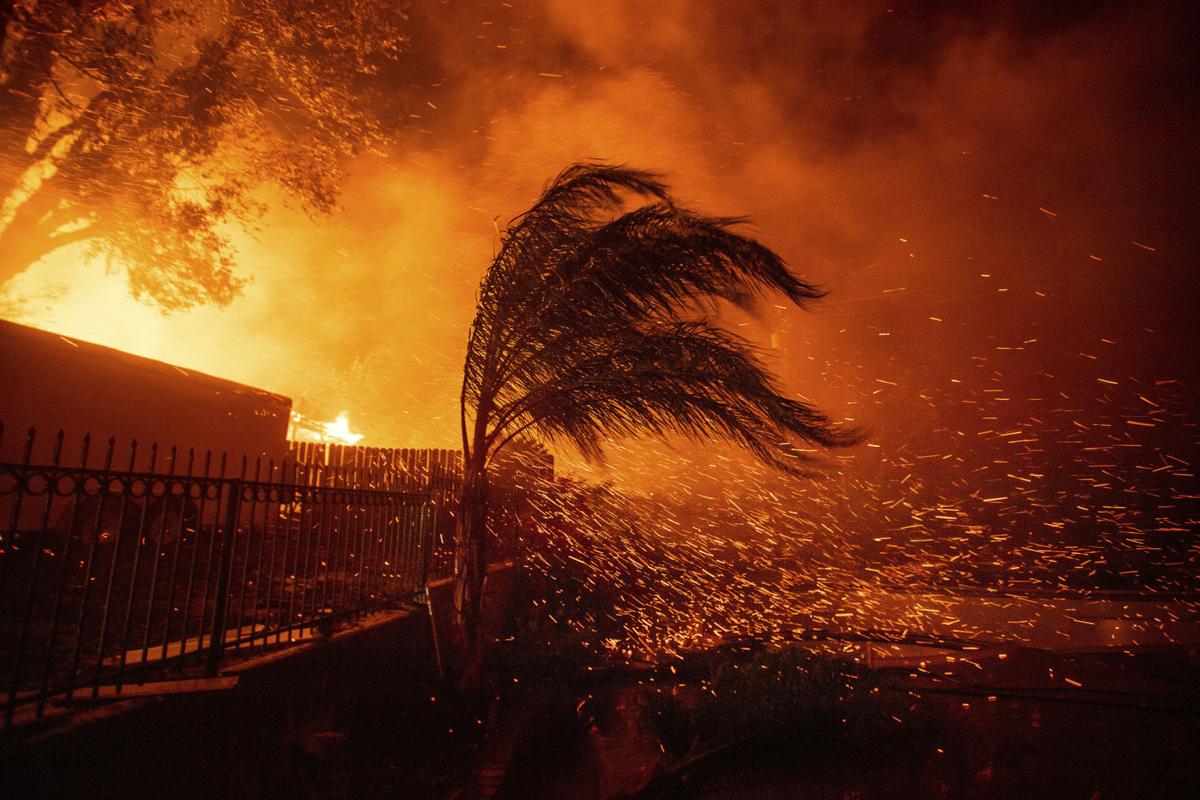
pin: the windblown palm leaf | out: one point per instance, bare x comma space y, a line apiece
591, 323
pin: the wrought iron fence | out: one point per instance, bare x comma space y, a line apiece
111, 575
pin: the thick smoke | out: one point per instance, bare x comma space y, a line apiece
991, 195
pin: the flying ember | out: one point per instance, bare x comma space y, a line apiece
726, 377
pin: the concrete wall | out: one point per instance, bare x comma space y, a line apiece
255, 740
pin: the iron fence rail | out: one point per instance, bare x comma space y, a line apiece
110, 575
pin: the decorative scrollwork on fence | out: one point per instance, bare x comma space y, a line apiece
63, 482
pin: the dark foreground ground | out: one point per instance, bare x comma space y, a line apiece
748, 723
808, 719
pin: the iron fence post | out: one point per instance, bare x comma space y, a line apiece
216, 645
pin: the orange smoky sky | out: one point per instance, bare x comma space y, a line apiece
997, 196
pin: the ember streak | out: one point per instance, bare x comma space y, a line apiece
1045, 515
1000, 200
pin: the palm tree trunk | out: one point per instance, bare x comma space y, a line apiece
470, 569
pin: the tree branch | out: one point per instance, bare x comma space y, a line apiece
72, 236
88, 116
36, 230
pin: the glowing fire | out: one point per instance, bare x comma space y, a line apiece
303, 429
339, 430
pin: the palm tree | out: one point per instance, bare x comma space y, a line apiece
595, 319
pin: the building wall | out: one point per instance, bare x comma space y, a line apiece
54, 383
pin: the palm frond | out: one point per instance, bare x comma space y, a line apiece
587, 326
689, 378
